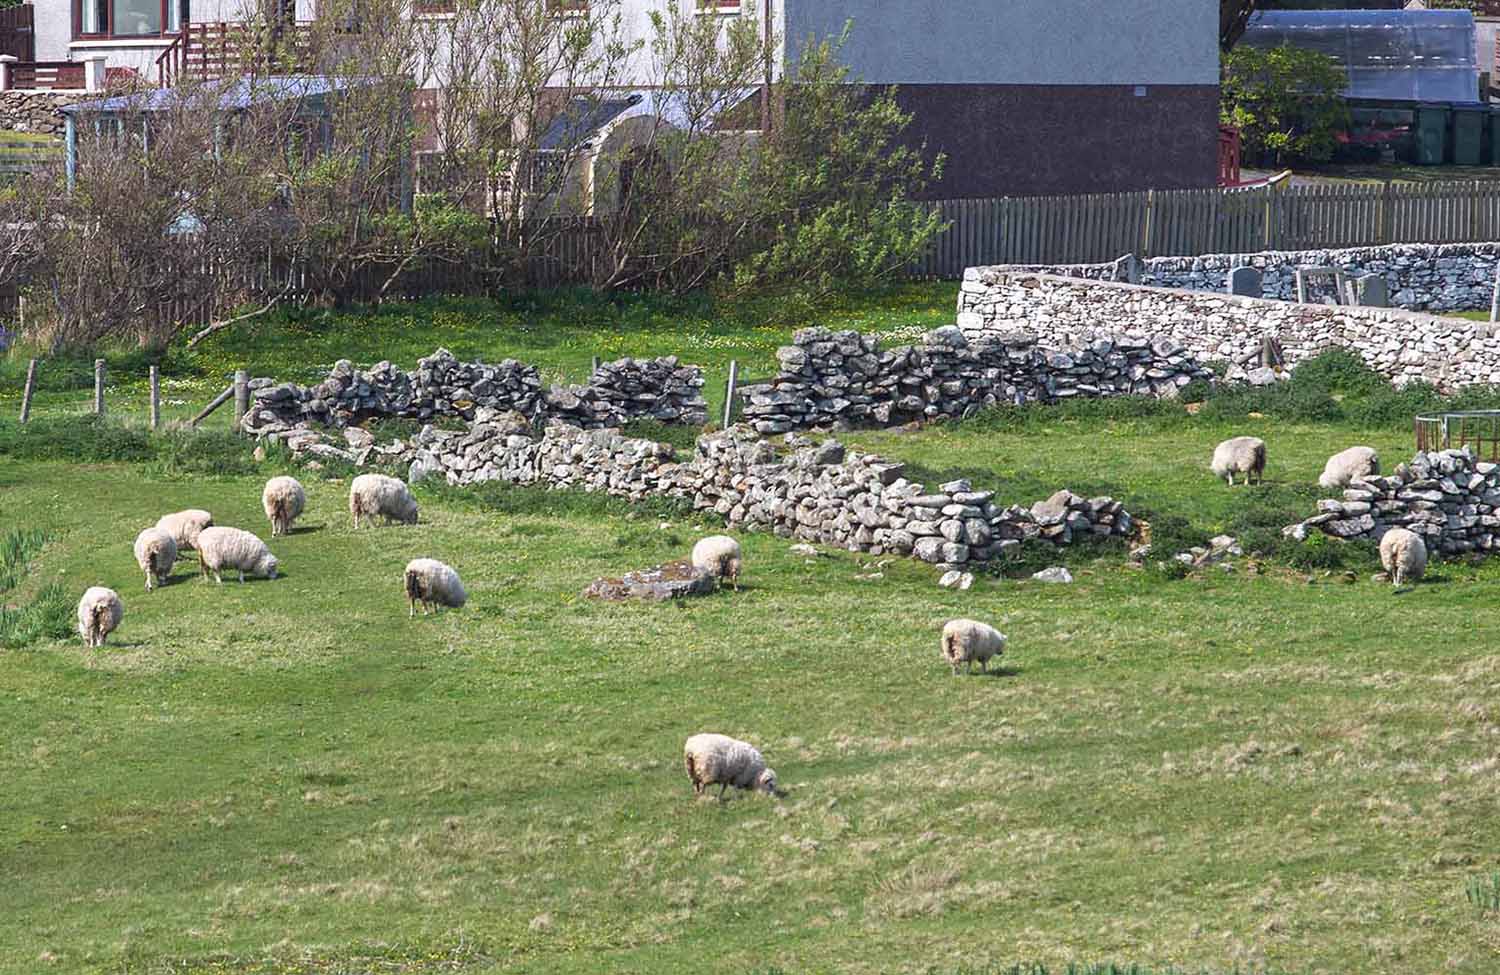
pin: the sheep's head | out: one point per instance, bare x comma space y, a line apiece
408, 513
767, 784
268, 566
732, 567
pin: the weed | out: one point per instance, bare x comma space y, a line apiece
1484, 893
17, 549
48, 616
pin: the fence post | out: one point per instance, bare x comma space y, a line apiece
1387, 213
155, 398
241, 396
1495, 297
26, 393
593, 365
734, 375
1146, 224
99, 387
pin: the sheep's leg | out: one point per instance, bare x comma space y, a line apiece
148, 580
722, 787
218, 577
411, 612
984, 665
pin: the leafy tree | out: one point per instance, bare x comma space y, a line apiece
1286, 101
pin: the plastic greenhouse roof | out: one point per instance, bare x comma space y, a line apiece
1389, 55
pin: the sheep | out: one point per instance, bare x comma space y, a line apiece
155, 551
231, 548
724, 761
283, 499
99, 614
377, 494
184, 526
719, 555
430, 582
1403, 554
965, 641
1240, 455
1349, 465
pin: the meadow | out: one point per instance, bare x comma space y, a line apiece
1285, 768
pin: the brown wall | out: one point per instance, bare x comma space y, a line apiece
1033, 140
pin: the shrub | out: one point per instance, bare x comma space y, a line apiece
47, 617
1286, 101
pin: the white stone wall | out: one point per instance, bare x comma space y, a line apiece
1059, 311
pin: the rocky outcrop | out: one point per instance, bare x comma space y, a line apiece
674, 580
1447, 497
845, 379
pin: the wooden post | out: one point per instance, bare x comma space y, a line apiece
1146, 224
734, 375
213, 404
99, 387
26, 393
1495, 297
155, 398
241, 396
1387, 213
593, 366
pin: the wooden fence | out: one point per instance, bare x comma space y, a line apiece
1095, 229
17, 32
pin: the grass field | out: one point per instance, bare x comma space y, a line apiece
1280, 772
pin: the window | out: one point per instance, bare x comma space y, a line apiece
436, 6
128, 18
569, 6
719, 6
546, 172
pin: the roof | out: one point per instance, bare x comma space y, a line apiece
1388, 55
238, 95
583, 118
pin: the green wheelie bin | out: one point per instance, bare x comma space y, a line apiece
1430, 138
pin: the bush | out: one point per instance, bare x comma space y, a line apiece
89, 439
47, 617
1287, 101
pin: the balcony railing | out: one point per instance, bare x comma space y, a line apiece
217, 49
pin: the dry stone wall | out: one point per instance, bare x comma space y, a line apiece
1430, 277
37, 111
844, 379
442, 386
1447, 497
1058, 311
804, 490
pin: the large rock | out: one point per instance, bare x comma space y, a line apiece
673, 580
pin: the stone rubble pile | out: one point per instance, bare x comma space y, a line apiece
1431, 277
844, 379
1447, 497
443, 386
810, 492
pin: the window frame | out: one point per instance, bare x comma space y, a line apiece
167, 7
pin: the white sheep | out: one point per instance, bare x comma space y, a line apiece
155, 551
99, 613
1240, 455
1403, 554
965, 641
377, 494
283, 499
724, 761
720, 556
1349, 465
234, 549
430, 583
184, 526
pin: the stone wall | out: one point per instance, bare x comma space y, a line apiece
807, 491
844, 379
36, 111
442, 386
1402, 345
1431, 277
1447, 497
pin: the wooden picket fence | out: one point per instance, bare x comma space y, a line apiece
1176, 223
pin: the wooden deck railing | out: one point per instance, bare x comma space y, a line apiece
47, 75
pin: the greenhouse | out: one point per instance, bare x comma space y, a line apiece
1389, 55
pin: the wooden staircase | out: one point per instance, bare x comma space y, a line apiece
218, 49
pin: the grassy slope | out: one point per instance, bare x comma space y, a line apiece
1212, 772
559, 332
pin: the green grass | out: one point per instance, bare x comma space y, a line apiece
1281, 772
557, 331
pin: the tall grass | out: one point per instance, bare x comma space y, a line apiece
47, 615
17, 549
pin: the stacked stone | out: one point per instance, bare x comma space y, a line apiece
812, 492
38, 111
843, 379
1062, 312
1447, 497
442, 386
1432, 277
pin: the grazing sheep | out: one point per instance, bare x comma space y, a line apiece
724, 761
1403, 554
430, 583
377, 494
1240, 455
283, 499
719, 555
99, 613
184, 526
965, 641
155, 551
231, 548
1349, 465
